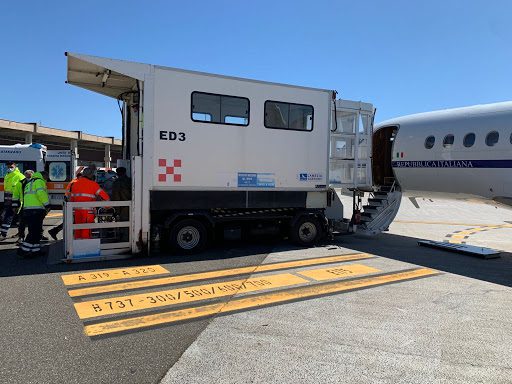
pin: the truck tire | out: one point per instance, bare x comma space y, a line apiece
306, 231
188, 236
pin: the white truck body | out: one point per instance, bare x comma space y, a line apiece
226, 162
214, 156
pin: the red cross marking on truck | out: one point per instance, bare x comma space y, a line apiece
169, 169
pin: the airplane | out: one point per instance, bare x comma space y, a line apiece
452, 153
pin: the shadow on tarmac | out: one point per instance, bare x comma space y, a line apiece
12, 265
396, 247
406, 249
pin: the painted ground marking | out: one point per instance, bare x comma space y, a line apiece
337, 272
459, 237
150, 300
252, 302
216, 274
113, 274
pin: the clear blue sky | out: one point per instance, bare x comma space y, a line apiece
403, 56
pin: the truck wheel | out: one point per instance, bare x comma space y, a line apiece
306, 231
188, 236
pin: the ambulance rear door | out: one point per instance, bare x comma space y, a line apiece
60, 172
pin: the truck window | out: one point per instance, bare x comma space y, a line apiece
196, 116
295, 117
219, 109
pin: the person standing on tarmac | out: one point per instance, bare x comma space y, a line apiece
110, 179
55, 230
122, 190
13, 177
36, 205
86, 189
17, 203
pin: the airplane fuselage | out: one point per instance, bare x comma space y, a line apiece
454, 153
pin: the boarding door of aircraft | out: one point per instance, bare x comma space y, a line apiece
351, 142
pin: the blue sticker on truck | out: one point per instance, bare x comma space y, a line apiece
256, 180
310, 176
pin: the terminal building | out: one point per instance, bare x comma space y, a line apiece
91, 149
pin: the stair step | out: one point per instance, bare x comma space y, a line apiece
385, 188
379, 212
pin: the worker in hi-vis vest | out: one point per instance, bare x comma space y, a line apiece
17, 203
13, 177
36, 205
86, 189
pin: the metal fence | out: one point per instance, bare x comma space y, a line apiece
111, 239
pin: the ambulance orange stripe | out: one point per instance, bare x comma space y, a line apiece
57, 185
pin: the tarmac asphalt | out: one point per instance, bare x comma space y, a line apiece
354, 310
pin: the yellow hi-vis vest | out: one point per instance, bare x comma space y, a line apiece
34, 194
11, 179
17, 193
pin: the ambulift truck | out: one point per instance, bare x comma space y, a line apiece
214, 155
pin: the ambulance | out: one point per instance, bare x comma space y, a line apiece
26, 156
60, 165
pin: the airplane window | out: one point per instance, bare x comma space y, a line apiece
448, 141
492, 138
469, 140
429, 142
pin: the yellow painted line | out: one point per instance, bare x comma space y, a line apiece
113, 274
444, 223
459, 237
216, 274
252, 302
150, 300
54, 215
338, 272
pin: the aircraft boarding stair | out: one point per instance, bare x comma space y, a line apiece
350, 167
382, 207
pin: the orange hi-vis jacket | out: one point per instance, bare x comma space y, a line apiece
87, 190
67, 194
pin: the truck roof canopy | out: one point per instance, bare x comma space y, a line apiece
106, 76
113, 77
